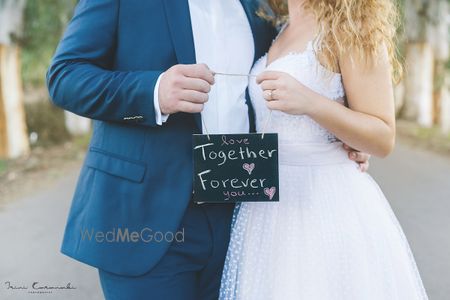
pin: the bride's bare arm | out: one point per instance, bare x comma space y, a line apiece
367, 125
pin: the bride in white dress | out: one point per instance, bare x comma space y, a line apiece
333, 235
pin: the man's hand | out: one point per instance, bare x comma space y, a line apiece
361, 158
185, 88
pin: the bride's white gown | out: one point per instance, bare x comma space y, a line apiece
333, 234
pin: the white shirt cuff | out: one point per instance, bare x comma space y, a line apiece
160, 118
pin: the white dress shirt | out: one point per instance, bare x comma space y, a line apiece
223, 40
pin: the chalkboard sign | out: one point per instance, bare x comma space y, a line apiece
235, 168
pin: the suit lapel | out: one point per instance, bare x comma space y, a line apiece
248, 8
180, 26
179, 20
263, 32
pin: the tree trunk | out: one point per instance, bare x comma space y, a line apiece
13, 131
419, 84
440, 10
445, 106
418, 102
4, 145
440, 41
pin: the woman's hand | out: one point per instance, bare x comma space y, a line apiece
285, 93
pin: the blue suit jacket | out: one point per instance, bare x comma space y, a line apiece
136, 174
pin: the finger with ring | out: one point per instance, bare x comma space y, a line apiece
268, 95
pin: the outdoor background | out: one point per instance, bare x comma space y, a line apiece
41, 150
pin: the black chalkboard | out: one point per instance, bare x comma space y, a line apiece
235, 168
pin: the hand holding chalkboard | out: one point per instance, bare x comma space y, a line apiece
235, 168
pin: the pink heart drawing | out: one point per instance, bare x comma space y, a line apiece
270, 192
248, 167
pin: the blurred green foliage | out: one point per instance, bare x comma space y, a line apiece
47, 121
44, 23
3, 166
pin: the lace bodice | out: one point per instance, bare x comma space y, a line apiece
305, 67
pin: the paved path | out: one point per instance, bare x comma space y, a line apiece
32, 231
417, 184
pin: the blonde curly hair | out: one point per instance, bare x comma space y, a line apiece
350, 26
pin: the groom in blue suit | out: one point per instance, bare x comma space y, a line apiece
142, 71
131, 66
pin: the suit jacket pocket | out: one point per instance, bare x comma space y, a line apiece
116, 165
